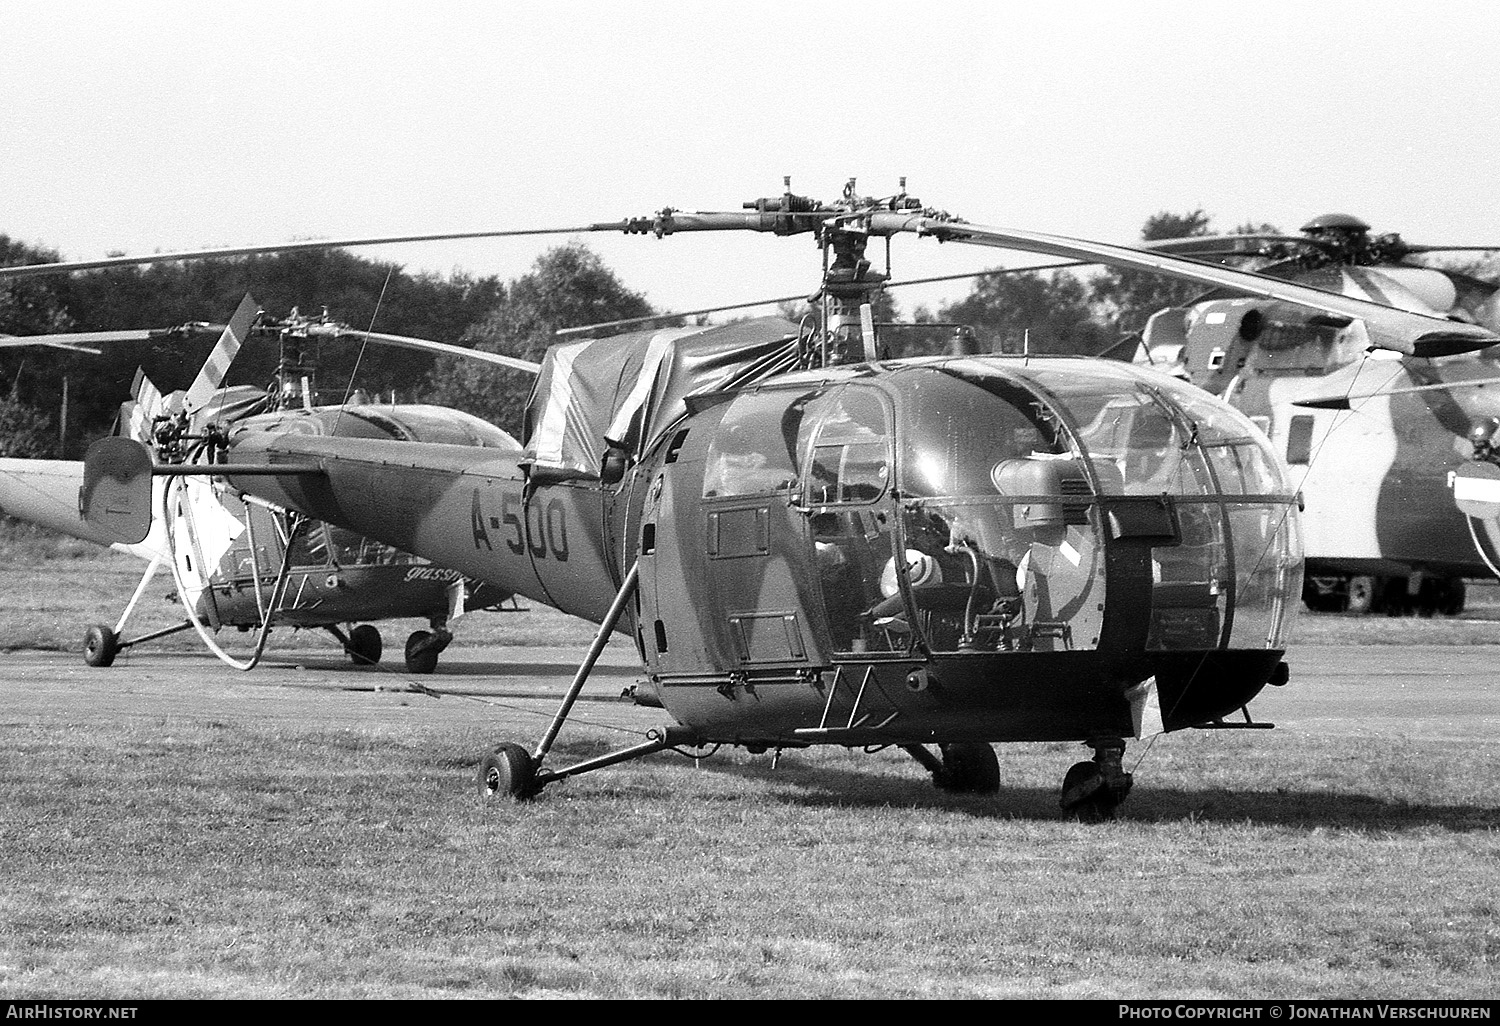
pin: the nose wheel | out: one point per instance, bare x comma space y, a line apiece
1091, 791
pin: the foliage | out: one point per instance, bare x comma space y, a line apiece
1131, 297
30, 306
567, 286
353, 291
1032, 311
1062, 313
25, 431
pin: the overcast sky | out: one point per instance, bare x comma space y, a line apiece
156, 125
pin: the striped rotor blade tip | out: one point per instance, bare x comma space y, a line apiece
211, 376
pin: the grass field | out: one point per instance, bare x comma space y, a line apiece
231, 855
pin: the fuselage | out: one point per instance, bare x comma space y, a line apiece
908, 552
226, 553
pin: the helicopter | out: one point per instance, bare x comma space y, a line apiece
809, 543
1376, 441
238, 562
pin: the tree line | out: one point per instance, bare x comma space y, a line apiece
1086, 313
567, 284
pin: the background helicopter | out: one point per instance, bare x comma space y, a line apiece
811, 544
241, 563
1375, 441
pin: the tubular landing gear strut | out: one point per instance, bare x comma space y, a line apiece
1092, 791
510, 771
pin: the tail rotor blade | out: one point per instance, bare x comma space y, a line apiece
211, 376
142, 411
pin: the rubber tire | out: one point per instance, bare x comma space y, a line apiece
507, 772
420, 662
365, 646
100, 645
1317, 602
969, 767
1361, 595
1094, 808
1453, 598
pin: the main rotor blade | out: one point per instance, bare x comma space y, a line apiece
1408, 333
74, 339
1342, 402
1254, 245
402, 341
1449, 249
50, 341
1411, 334
1226, 245
65, 267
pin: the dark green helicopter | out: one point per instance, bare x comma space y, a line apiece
809, 543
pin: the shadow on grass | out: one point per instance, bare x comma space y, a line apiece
449, 668
822, 787
344, 674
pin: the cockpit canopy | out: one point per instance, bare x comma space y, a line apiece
981, 485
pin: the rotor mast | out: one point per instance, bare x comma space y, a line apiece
850, 285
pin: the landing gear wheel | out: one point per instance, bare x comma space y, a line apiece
1319, 602
1091, 791
968, 768
1084, 793
508, 772
364, 646
1441, 596
1361, 594
100, 645
421, 653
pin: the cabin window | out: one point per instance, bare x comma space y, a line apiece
851, 472
853, 547
851, 454
1299, 440
754, 450
966, 428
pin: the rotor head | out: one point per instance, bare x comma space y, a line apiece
1341, 223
